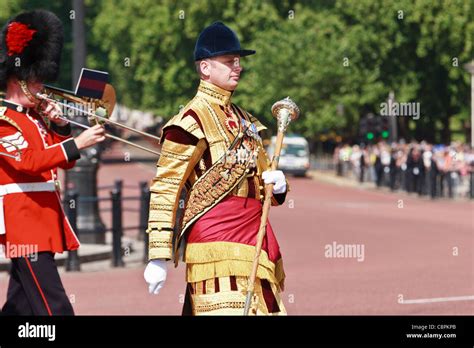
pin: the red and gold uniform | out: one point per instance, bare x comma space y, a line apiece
213, 149
31, 212
33, 226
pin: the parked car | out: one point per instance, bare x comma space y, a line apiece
294, 156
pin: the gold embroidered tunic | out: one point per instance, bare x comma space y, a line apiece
193, 142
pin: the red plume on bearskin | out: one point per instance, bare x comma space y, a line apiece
17, 38
30, 47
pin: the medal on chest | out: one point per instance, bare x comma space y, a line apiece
250, 129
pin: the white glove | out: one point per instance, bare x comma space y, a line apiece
277, 178
155, 275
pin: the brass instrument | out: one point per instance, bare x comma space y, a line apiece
98, 111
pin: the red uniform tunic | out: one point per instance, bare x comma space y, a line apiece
34, 221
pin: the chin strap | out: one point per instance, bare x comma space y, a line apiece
38, 102
26, 91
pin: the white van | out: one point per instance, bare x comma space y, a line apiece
294, 156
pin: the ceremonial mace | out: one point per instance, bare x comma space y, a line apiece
284, 111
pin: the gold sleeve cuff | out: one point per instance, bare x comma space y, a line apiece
160, 245
160, 225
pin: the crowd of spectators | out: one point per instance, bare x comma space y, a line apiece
417, 167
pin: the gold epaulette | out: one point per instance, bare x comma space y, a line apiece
187, 123
7, 119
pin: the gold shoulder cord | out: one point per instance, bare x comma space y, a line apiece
14, 124
7, 119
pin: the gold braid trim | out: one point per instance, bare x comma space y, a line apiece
173, 155
223, 259
201, 309
159, 245
158, 225
171, 181
211, 188
171, 175
165, 192
232, 302
213, 93
216, 306
187, 123
221, 303
193, 128
157, 206
9, 120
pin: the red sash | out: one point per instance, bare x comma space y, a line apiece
234, 219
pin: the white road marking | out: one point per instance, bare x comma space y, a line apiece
439, 299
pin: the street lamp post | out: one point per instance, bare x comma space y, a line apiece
470, 68
393, 118
83, 176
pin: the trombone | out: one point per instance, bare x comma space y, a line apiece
98, 111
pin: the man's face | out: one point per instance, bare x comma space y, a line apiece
223, 71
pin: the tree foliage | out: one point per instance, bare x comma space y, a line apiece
337, 59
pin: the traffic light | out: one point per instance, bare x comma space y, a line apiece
385, 127
367, 127
372, 127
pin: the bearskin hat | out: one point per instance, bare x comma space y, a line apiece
30, 47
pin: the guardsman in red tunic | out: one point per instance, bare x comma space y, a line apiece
34, 142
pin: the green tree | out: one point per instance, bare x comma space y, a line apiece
327, 55
149, 46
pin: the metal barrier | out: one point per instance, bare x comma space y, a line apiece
144, 213
117, 210
117, 227
72, 262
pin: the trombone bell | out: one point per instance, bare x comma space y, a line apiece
95, 99
103, 107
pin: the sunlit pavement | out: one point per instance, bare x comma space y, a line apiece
409, 248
